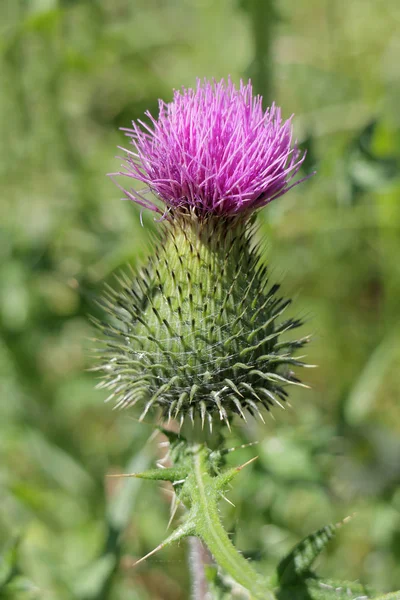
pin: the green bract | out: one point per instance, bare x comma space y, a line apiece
199, 330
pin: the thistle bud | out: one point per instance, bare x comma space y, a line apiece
198, 331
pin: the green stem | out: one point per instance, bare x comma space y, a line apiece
211, 531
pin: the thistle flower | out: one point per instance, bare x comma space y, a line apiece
198, 331
213, 149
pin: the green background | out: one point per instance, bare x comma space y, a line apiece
71, 74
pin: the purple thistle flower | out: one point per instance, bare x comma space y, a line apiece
213, 149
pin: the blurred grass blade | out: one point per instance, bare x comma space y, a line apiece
95, 583
365, 392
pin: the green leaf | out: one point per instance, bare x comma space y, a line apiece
317, 589
297, 564
21, 588
8, 562
13, 585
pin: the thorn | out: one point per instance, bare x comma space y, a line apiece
225, 477
193, 391
174, 507
183, 531
152, 436
279, 404
171, 408
303, 385
123, 475
346, 520
239, 407
181, 400
203, 410
255, 408
227, 499
233, 387
159, 547
163, 460
146, 409
246, 463
227, 450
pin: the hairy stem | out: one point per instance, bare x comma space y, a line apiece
199, 558
212, 532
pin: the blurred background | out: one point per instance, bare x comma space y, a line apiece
72, 73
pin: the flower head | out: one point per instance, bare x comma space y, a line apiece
199, 332
213, 149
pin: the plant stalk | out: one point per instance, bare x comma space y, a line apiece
199, 558
213, 534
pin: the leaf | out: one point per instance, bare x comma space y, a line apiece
297, 580
13, 585
317, 589
366, 171
8, 562
21, 588
349, 590
297, 564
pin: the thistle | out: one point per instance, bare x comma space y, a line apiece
198, 331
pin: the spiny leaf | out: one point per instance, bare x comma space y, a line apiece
339, 590
298, 563
167, 474
317, 589
183, 531
227, 476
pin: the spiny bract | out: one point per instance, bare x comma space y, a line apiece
199, 330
